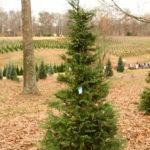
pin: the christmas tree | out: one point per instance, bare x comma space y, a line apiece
1, 74
42, 71
13, 74
108, 70
120, 66
85, 121
145, 98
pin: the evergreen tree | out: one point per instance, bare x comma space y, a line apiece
42, 71
148, 78
86, 121
8, 71
21, 71
13, 74
145, 98
108, 70
1, 74
51, 69
120, 66
17, 70
4, 71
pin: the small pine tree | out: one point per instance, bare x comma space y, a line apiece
108, 70
86, 121
42, 71
17, 70
4, 71
144, 104
50, 69
148, 78
8, 71
21, 71
1, 74
120, 66
13, 74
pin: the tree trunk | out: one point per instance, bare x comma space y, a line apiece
29, 85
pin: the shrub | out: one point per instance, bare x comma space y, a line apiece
120, 66
42, 71
145, 101
108, 70
148, 78
8, 70
1, 74
13, 74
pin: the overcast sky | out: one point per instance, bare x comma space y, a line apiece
135, 6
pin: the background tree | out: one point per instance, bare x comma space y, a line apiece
29, 85
120, 65
108, 70
1, 74
86, 121
42, 71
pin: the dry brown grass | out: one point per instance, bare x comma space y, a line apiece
47, 55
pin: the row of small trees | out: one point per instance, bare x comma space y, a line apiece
11, 71
108, 70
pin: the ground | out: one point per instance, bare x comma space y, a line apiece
20, 115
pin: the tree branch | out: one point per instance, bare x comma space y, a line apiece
141, 19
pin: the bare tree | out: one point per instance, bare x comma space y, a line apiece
29, 86
117, 7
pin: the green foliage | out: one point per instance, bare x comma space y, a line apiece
42, 71
108, 70
51, 69
85, 121
8, 70
144, 104
120, 65
148, 78
21, 71
1, 74
145, 101
4, 71
13, 74
11, 46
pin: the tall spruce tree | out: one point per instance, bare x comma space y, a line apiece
86, 121
120, 65
108, 70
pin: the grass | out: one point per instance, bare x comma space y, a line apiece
127, 46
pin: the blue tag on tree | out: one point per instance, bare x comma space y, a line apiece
80, 90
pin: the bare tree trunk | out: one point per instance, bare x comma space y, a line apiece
29, 85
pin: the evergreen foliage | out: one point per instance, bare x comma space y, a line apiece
1, 74
17, 70
108, 70
42, 71
145, 101
4, 71
145, 98
120, 66
13, 74
8, 70
148, 78
21, 71
51, 69
86, 121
